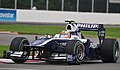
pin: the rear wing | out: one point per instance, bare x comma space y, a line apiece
88, 27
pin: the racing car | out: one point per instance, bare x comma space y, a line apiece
69, 46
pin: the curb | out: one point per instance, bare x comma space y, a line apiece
7, 32
6, 61
33, 61
10, 61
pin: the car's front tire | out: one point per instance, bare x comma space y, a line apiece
17, 45
76, 48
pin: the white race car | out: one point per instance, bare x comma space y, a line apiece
69, 46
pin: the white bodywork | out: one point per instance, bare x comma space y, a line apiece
56, 37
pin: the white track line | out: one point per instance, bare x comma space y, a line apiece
15, 69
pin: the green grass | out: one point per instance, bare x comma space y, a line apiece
37, 29
3, 48
32, 29
111, 32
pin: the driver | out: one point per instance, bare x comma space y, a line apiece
65, 34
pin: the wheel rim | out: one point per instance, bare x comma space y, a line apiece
21, 48
22, 44
116, 50
80, 51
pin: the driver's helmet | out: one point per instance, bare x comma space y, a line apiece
65, 34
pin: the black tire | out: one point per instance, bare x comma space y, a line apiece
76, 48
110, 51
17, 45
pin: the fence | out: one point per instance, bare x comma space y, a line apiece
105, 6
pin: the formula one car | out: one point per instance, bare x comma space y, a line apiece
69, 46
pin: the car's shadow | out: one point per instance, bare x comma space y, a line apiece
59, 63
98, 62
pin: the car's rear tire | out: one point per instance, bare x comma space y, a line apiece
109, 51
17, 45
76, 48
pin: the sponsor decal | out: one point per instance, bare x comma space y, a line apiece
7, 15
83, 26
70, 57
87, 25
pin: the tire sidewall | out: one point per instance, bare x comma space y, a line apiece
78, 61
115, 47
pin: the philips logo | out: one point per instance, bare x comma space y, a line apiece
6, 15
87, 25
83, 26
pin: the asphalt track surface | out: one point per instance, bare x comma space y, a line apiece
5, 39
92, 65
